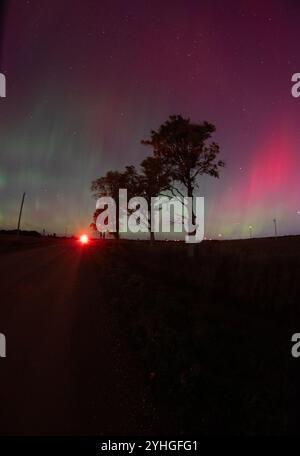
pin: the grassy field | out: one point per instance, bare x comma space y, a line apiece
213, 332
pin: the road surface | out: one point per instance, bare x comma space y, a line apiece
68, 368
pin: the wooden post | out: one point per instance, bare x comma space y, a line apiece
20, 213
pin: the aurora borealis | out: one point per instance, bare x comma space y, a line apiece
87, 80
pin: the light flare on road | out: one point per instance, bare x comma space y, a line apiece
84, 239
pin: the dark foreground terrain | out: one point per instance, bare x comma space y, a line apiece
128, 338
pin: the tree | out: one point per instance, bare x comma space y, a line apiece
180, 147
151, 182
109, 185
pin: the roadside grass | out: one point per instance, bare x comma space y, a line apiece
211, 332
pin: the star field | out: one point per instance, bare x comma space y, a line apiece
86, 81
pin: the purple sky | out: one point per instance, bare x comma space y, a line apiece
87, 80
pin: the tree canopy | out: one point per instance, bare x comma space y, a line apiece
182, 151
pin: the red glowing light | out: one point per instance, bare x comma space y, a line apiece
84, 239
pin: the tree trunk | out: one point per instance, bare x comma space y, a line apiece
191, 246
152, 236
117, 233
190, 192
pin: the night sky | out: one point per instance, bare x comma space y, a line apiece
88, 79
